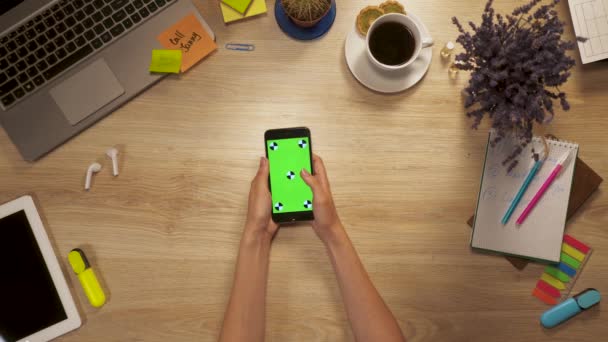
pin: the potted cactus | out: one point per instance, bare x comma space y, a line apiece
306, 13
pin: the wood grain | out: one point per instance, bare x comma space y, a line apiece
404, 170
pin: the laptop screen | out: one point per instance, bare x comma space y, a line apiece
6, 5
29, 301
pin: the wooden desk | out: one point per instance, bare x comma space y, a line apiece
405, 174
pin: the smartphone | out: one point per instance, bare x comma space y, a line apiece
289, 150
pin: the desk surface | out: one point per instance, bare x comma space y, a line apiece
404, 170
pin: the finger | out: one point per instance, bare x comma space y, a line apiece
263, 168
261, 176
309, 179
319, 167
273, 225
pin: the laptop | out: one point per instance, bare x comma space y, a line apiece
65, 64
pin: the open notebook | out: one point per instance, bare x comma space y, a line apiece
590, 20
540, 236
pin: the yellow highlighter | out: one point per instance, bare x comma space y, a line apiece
87, 277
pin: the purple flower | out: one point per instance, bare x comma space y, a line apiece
517, 64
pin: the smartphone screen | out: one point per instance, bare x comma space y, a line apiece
289, 151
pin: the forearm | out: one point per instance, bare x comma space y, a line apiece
245, 316
370, 318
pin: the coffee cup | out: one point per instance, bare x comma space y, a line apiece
394, 41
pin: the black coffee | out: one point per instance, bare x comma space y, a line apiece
392, 43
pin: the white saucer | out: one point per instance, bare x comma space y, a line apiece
382, 80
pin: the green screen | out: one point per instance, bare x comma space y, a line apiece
287, 157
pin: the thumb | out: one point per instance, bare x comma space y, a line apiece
309, 179
262, 175
263, 169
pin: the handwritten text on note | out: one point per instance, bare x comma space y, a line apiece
189, 36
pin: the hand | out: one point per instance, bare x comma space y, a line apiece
259, 217
326, 223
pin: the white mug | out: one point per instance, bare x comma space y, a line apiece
413, 26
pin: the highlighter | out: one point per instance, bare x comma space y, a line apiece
87, 277
570, 308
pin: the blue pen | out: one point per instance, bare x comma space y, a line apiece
522, 190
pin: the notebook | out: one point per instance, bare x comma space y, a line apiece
584, 184
257, 7
239, 5
590, 20
540, 236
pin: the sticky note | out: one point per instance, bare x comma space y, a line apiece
544, 297
230, 14
239, 5
557, 280
561, 276
169, 61
549, 279
566, 269
576, 244
571, 251
189, 36
548, 289
570, 261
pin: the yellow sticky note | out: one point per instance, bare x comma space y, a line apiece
549, 279
575, 253
230, 14
167, 61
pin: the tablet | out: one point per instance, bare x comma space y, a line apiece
36, 304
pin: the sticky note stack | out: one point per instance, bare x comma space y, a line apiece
239, 5
557, 281
234, 10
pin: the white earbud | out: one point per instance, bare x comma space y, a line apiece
113, 154
93, 168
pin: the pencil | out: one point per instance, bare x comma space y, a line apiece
522, 190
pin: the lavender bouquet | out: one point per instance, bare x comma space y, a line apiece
517, 63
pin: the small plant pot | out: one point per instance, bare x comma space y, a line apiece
306, 24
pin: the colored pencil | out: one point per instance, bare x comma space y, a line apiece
521, 191
543, 188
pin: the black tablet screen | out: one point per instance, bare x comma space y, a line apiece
28, 299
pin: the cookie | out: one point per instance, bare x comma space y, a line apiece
366, 17
391, 6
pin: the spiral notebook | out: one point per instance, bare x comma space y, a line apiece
540, 236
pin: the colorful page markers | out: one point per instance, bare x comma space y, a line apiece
189, 36
556, 281
230, 14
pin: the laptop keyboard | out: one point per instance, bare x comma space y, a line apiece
51, 42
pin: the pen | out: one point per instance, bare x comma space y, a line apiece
522, 190
543, 188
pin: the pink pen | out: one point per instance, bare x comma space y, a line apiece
543, 188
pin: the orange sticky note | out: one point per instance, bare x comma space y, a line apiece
189, 36
543, 296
